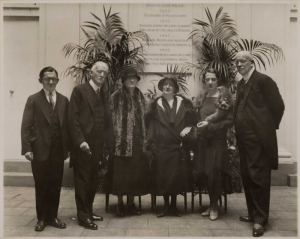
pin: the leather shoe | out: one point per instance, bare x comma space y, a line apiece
88, 224
163, 213
246, 219
206, 213
97, 218
120, 210
257, 232
40, 226
175, 212
55, 222
213, 215
133, 210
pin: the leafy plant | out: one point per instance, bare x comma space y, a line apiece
106, 41
218, 42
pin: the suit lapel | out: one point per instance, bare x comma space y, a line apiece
162, 117
248, 86
60, 107
180, 112
89, 92
44, 105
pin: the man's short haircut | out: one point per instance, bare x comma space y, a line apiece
47, 69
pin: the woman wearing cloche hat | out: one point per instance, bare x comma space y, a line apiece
131, 168
170, 117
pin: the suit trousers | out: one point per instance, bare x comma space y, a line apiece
48, 176
255, 172
86, 168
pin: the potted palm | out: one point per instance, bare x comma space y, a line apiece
110, 42
217, 43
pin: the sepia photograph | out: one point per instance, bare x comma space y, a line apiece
149, 118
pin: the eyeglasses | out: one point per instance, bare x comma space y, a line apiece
54, 80
210, 79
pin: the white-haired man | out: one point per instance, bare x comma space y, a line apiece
257, 114
87, 123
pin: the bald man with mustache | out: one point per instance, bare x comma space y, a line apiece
257, 114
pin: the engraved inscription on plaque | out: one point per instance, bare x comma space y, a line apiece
168, 26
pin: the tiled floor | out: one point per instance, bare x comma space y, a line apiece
20, 217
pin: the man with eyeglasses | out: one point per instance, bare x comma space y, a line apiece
257, 114
45, 143
88, 121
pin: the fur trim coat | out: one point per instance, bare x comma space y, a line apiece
223, 104
126, 112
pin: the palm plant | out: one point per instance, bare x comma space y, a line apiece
218, 42
106, 41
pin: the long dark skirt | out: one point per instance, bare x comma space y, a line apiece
212, 165
132, 174
171, 175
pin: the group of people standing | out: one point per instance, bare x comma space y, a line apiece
150, 143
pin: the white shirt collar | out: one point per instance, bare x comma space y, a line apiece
248, 75
53, 95
95, 87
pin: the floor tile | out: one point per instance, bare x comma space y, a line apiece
207, 224
190, 232
106, 232
283, 225
14, 211
19, 231
55, 232
290, 207
286, 215
17, 220
127, 223
149, 232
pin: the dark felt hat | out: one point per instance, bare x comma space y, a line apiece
161, 83
130, 71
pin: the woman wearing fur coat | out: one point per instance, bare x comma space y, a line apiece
169, 118
212, 165
131, 167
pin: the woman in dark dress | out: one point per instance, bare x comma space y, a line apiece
131, 167
171, 171
212, 165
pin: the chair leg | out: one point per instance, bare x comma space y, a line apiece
185, 202
220, 200
154, 200
127, 200
200, 197
193, 194
225, 202
106, 202
140, 203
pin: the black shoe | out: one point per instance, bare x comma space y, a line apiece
163, 213
55, 222
120, 210
88, 224
133, 210
258, 232
174, 211
96, 218
246, 219
40, 226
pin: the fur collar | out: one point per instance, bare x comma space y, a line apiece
223, 93
152, 107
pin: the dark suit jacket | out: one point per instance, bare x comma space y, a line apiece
81, 115
263, 110
36, 130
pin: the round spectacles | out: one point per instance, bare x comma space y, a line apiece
54, 80
100, 72
210, 79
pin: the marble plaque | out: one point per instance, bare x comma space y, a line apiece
168, 26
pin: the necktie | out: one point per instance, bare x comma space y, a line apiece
242, 85
51, 100
98, 93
